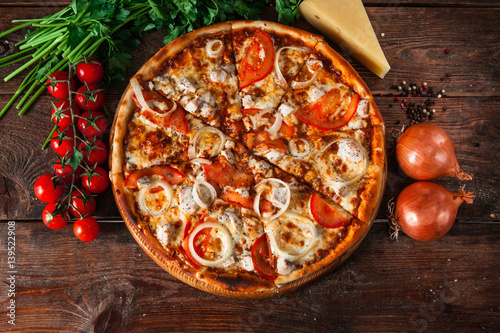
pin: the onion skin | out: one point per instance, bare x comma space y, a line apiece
424, 152
426, 211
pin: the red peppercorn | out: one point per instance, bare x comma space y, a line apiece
447, 51
396, 99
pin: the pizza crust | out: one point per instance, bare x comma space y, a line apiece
308, 39
375, 177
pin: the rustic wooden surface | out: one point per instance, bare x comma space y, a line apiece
453, 284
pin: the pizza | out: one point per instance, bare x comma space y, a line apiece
247, 158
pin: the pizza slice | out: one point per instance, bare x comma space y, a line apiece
268, 57
197, 71
327, 131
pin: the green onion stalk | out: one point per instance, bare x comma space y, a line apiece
63, 38
110, 30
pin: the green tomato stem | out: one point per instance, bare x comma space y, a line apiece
106, 111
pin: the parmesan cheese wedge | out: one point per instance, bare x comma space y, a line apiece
347, 24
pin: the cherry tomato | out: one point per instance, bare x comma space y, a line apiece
82, 203
94, 152
325, 214
65, 174
97, 182
261, 258
86, 229
57, 84
54, 218
92, 124
91, 98
61, 114
46, 190
90, 72
62, 143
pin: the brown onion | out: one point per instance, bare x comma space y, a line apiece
424, 152
426, 211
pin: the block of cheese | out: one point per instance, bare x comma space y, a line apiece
347, 24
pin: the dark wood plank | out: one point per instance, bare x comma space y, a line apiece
414, 43
111, 285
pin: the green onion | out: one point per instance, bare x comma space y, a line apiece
86, 28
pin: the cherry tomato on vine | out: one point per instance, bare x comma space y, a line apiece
86, 229
92, 124
54, 218
61, 114
46, 190
94, 152
82, 203
57, 84
65, 174
95, 181
63, 142
90, 72
91, 98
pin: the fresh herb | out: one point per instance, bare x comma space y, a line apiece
111, 30
288, 10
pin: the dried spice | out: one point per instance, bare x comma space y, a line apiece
422, 110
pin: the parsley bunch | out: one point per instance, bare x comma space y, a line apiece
110, 30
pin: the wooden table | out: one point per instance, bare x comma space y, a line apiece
452, 284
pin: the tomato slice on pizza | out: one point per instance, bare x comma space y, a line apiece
327, 113
236, 198
172, 175
261, 258
162, 111
257, 61
224, 174
266, 146
326, 215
